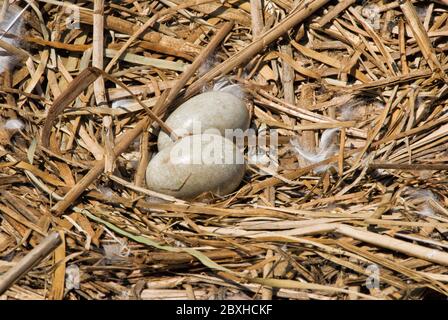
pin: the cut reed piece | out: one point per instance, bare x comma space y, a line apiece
57, 288
98, 168
151, 41
408, 167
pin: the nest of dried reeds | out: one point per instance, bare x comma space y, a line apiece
354, 208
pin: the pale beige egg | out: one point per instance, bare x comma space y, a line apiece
209, 110
196, 164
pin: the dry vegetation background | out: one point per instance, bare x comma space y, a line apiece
371, 225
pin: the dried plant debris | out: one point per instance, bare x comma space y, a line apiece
11, 28
345, 190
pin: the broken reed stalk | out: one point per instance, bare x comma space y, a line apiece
388, 242
380, 240
258, 45
58, 281
132, 134
98, 50
3, 10
239, 217
99, 88
334, 12
58, 45
35, 256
